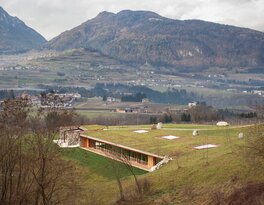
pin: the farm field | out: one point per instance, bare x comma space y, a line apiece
94, 108
94, 114
191, 177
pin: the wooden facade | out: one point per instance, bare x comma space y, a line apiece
134, 157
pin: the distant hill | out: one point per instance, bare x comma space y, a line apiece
140, 37
15, 36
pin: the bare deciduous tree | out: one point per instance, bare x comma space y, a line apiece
31, 168
254, 145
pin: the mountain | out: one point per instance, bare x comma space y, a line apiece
15, 36
140, 37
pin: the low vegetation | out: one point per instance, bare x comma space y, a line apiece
97, 164
213, 176
35, 171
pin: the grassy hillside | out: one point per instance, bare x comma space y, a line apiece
98, 164
192, 177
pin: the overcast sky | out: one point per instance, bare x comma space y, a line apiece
52, 17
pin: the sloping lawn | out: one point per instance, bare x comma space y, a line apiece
98, 164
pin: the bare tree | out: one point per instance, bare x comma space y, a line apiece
260, 112
32, 170
14, 173
254, 145
202, 112
54, 178
118, 178
124, 159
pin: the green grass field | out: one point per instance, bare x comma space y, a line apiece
94, 114
98, 164
153, 142
201, 172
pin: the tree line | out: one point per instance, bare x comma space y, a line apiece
129, 93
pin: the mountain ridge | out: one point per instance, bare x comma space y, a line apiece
16, 36
138, 37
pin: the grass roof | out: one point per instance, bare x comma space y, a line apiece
153, 142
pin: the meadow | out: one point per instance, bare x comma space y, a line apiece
191, 177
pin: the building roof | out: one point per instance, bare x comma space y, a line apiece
151, 141
122, 146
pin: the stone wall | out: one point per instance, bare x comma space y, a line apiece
70, 135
